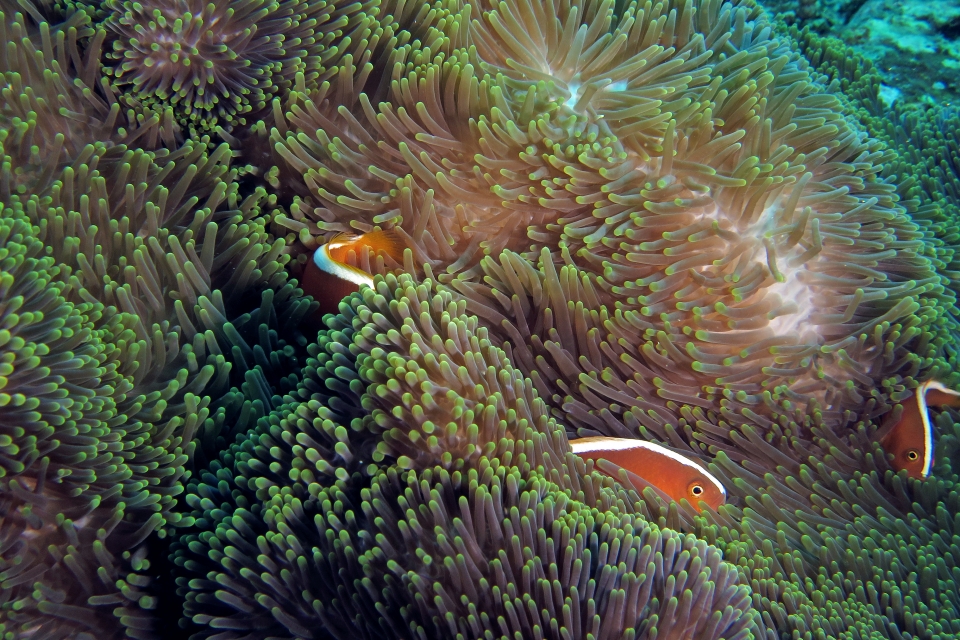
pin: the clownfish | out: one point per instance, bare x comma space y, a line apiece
675, 475
329, 278
910, 439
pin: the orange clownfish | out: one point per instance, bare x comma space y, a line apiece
910, 439
673, 474
329, 278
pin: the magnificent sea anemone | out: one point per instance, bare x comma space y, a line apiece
218, 64
668, 221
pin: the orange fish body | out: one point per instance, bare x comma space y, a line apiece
910, 439
675, 475
329, 277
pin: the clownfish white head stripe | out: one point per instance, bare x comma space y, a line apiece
321, 258
329, 275
930, 385
676, 475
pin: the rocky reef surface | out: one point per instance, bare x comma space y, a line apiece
914, 44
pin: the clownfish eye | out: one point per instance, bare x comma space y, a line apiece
913, 455
696, 490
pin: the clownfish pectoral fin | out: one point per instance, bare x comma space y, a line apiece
639, 482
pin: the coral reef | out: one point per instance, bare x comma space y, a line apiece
673, 221
914, 44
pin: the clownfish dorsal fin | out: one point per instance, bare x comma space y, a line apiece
936, 394
342, 237
387, 241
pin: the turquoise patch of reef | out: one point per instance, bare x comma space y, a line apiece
673, 221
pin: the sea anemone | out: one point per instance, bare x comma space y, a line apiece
486, 524
115, 331
713, 211
924, 169
50, 110
645, 220
675, 232
215, 64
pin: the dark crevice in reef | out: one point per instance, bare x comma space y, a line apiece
951, 29
850, 9
169, 607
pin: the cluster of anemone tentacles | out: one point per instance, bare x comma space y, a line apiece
660, 220
146, 314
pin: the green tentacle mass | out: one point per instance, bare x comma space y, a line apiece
670, 220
